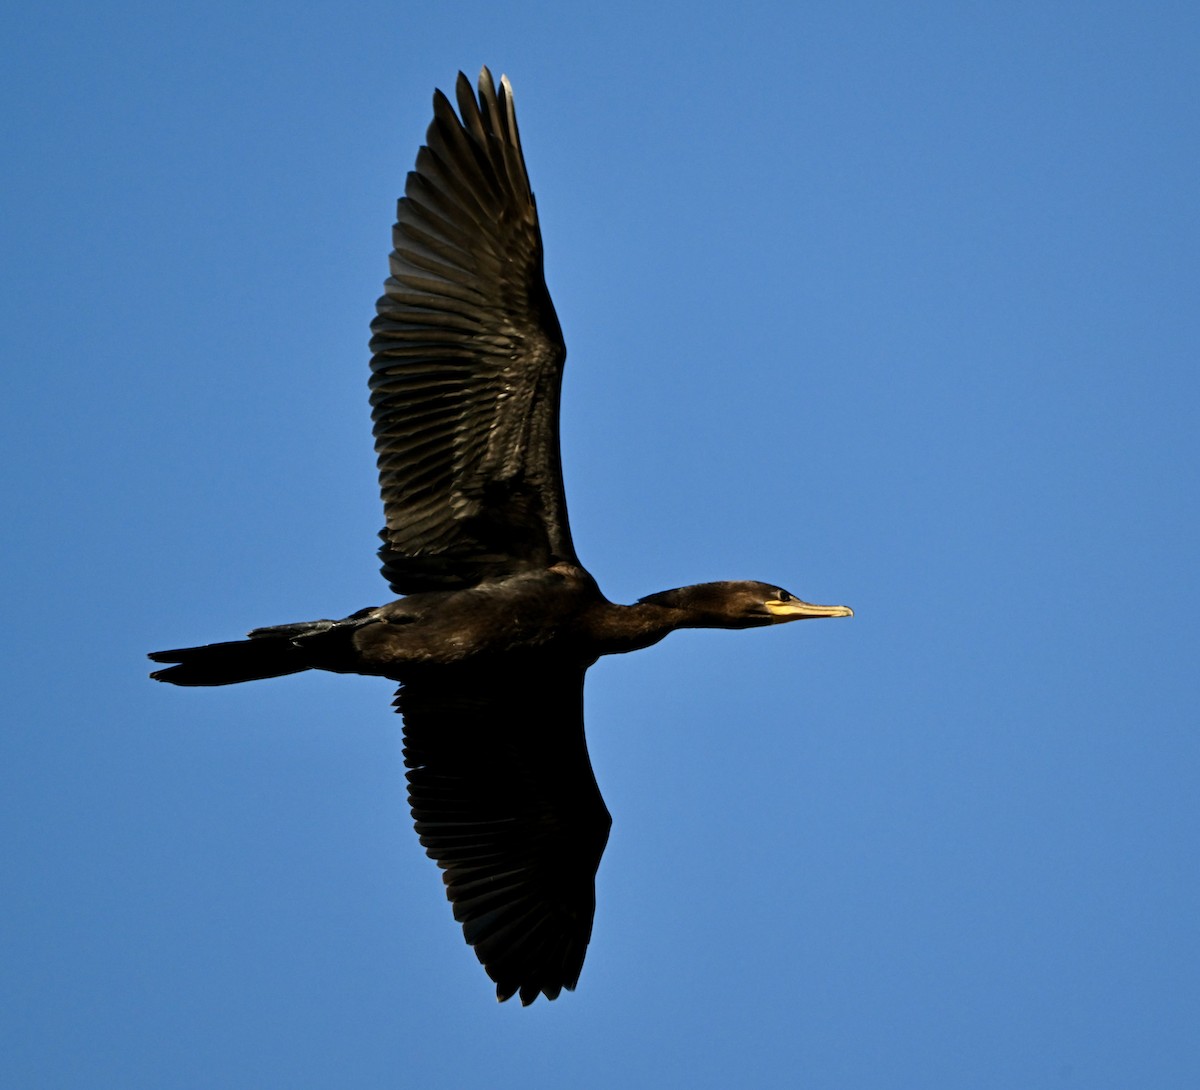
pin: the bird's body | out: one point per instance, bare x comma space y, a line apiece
499, 621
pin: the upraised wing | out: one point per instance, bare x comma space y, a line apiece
505, 801
468, 360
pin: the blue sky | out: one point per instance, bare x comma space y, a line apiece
894, 305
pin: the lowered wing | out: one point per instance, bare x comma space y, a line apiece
505, 801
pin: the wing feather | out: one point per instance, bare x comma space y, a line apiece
504, 800
467, 361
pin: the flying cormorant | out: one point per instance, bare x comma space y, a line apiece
499, 621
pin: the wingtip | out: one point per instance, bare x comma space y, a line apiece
486, 77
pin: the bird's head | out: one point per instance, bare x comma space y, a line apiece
739, 604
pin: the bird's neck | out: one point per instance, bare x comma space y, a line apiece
616, 628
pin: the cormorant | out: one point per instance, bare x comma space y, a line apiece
499, 621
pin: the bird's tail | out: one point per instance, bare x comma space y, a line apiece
269, 652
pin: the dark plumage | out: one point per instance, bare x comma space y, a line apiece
500, 621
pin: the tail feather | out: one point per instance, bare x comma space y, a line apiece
229, 663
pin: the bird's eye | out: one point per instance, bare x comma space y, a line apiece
783, 596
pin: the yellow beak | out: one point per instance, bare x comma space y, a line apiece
798, 610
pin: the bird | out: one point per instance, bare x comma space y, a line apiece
497, 621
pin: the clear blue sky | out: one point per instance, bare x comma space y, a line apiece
893, 304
